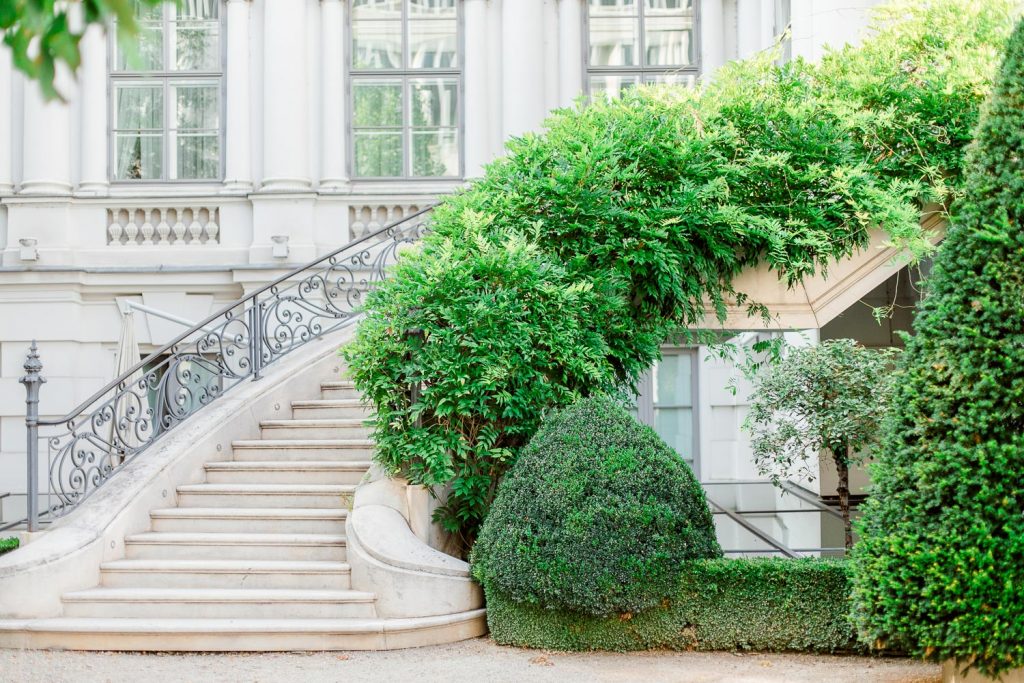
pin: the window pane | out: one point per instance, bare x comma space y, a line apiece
612, 7
376, 9
675, 426
198, 157
377, 155
611, 85
377, 104
435, 153
197, 47
138, 157
432, 8
377, 45
689, 80
138, 107
614, 42
196, 106
433, 44
654, 7
198, 10
145, 52
673, 380
668, 41
434, 102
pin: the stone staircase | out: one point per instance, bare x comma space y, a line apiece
254, 558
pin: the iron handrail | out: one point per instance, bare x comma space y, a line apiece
198, 327
199, 365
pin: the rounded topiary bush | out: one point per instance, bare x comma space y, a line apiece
940, 568
597, 516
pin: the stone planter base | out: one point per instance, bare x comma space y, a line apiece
951, 674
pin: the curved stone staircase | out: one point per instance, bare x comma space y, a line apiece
254, 558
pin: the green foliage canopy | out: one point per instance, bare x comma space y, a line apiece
597, 516
940, 568
661, 198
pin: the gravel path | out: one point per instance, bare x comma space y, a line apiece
472, 661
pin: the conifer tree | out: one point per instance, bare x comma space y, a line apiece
940, 569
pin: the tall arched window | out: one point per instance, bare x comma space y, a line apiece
640, 41
166, 95
405, 69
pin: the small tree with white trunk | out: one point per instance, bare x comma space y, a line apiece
829, 397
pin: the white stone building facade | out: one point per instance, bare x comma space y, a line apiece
238, 138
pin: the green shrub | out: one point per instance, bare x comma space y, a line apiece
659, 199
8, 544
526, 337
730, 604
596, 516
941, 565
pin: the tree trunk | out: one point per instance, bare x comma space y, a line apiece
843, 488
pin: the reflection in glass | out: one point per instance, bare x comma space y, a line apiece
614, 42
138, 156
432, 8
612, 7
433, 45
435, 153
667, 42
434, 102
378, 154
611, 85
376, 9
377, 45
377, 103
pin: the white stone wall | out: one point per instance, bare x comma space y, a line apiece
72, 242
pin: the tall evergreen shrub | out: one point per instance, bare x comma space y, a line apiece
941, 565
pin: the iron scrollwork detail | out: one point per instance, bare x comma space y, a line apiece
91, 444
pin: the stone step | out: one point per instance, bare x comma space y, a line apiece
240, 546
303, 449
286, 472
323, 408
234, 635
250, 574
218, 603
351, 429
250, 520
342, 390
266, 495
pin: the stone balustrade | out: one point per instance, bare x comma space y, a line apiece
163, 226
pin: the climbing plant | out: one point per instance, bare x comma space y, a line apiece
658, 200
940, 569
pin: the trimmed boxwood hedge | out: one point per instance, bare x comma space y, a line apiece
8, 544
597, 516
724, 604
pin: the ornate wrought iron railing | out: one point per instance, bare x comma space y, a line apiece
89, 445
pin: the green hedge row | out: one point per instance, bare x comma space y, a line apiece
725, 604
8, 544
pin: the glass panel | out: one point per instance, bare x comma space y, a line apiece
432, 8
434, 102
689, 80
198, 156
377, 104
197, 47
377, 155
138, 107
673, 380
376, 9
435, 153
611, 85
138, 156
668, 41
675, 426
376, 44
656, 7
614, 42
612, 7
145, 52
433, 44
198, 10
196, 106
